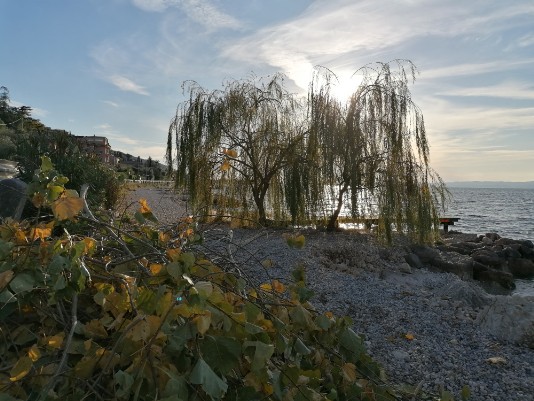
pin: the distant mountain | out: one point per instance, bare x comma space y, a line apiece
491, 184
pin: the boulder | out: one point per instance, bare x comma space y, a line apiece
467, 292
492, 236
496, 281
12, 198
452, 262
487, 257
521, 268
413, 260
510, 319
426, 254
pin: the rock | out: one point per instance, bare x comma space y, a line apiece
493, 236
413, 260
405, 268
452, 262
425, 253
487, 257
487, 241
12, 198
468, 293
510, 319
496, 281
511, 253
505, 241
521, 268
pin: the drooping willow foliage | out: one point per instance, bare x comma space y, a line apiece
255, 149
232, 144
373, 152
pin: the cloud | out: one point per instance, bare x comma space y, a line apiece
514, 90
200, 11
127, 85
346, 34
111, 103
466, 69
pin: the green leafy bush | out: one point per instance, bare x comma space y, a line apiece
136, 315
82, 320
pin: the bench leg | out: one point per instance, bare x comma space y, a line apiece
445, 227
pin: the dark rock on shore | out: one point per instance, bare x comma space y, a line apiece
490, 259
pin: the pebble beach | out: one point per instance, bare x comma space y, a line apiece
422, 326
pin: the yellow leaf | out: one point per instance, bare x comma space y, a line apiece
21, 368
157, 269
144, 206
173, 254
34, 353
20, 237
278, 286
230, 152
203, 322
409, 336
95, 329
349, 372
164, 237
90, 245
5, 278
40, 232
329, 315
56, 341
266, 287
67, 207
225, 166
268, 388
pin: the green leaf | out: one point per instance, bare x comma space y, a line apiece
466, 393
7, 296
125, 381
301, 348
351, 345
221, 353
252, 328
46, 164
54, 192
60, 283
212, 384
262, 354
323, 322
176, 389
5, 249
22, 282
175, 270
187, 259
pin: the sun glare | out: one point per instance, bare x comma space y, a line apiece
345, 86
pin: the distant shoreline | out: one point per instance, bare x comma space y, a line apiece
491, 184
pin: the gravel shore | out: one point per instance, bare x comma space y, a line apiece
420, 325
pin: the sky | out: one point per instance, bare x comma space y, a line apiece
115, 68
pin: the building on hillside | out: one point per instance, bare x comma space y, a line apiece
98, 146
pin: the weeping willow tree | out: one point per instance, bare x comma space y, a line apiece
233, 144
372, 152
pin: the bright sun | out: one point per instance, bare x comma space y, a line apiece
345, 86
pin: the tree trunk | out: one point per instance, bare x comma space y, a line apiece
332, 221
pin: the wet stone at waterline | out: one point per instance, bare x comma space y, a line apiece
12, 198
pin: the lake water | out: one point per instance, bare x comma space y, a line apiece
507, 212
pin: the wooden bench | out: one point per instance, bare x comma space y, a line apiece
448, 221
368, 222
